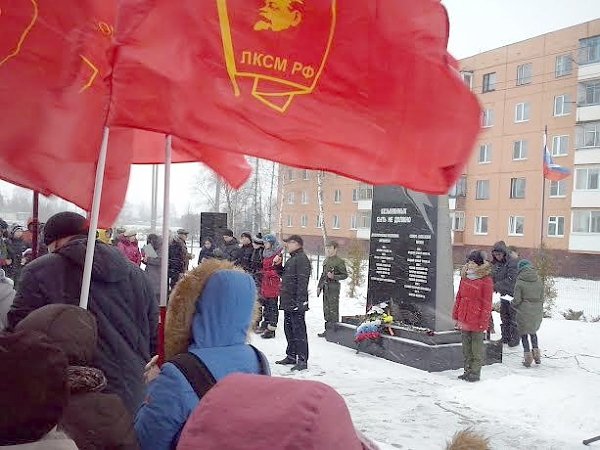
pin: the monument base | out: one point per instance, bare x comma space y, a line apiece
442, 351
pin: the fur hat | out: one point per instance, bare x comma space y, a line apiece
477, 257
468, 440
296, 238
34, 389
64, 224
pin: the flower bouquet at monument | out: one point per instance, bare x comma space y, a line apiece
376, 321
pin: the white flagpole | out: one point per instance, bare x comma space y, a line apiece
164, 253
91, 242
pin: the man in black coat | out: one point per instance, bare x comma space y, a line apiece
230, 245
504, 274
294, 302
243, 255
121, 299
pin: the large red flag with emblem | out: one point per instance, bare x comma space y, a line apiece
362, 88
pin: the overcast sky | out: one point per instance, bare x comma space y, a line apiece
475, 26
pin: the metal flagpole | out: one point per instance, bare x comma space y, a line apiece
543, 185
35, 233
164, 254
91, 242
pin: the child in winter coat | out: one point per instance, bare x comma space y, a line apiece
270, 286
529, 304
94, 419
290, 414
209, 315
33, 392
472, 311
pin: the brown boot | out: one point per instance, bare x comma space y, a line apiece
528, 359
537, 356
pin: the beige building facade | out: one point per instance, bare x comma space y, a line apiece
550, 81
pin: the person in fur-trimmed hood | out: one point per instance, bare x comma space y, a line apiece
209, 315
472, 311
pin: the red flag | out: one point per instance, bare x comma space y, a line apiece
54, 90
364, 89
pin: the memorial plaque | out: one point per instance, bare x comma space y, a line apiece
211, 226
403, 254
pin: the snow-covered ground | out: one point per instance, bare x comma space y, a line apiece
552, 406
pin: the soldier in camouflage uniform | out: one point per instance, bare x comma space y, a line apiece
334, 270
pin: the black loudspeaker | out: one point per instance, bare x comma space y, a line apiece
211, 226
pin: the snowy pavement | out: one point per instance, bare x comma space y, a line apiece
552, 406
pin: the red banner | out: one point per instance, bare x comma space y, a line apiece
363, 89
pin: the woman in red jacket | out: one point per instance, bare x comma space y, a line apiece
270, 286
472, 311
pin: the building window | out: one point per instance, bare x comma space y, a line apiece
337, 196
519, 150
303, 220
560, 145
482, 190
290, 175
516, 225
587, 179
588, 135
522, 112
460, 188
481, 225
586, 221
458, 221
517, 187
562, 105
558, 189
291, 198
487, 118
364, 220
524, 74
468, 79
304, 198
589, 50
564, 65
589, 93
353, 222
485, 153
289, 222
336, 222
319, 221
305, 174
489, 82
363, 192
556, 226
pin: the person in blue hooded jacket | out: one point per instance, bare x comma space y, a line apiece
209, 314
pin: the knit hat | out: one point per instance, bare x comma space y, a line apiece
34, 389
227, 232
129, 233
183, 231
270, 238
246, 234
258, 239
64, 224
476, 256
293, 413
523, 264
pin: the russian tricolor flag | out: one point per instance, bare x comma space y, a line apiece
552, 171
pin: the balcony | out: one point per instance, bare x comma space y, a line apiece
365, 205
585, 199
588, 113
588, 71
586, 243
363, 233
587, 155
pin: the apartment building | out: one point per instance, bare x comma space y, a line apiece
346, 207
550, 81
547, 82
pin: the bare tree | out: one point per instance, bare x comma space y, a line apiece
320, 177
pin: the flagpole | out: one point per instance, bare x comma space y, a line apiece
91, 241
545, 149
164, 254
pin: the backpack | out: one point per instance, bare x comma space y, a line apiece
197, 374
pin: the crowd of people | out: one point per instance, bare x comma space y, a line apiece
90, 379
521, 305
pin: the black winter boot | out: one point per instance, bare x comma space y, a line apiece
268, 334
300, 366
287, 361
